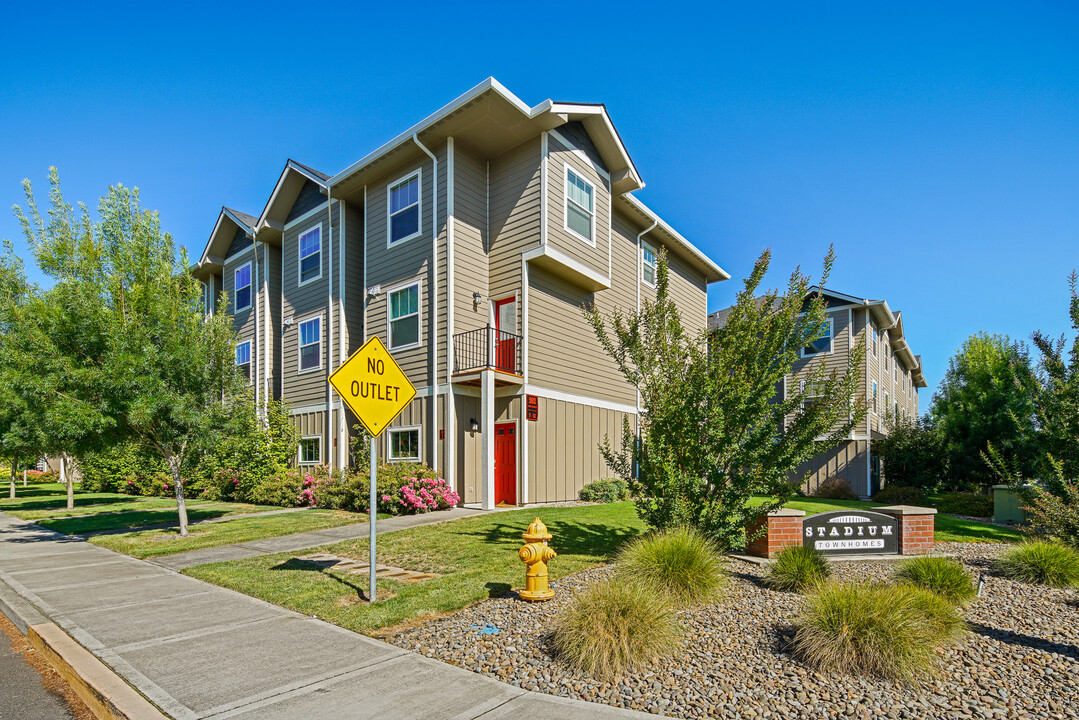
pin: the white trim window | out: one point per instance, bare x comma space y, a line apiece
648, 264
243, 359
310, 259
241, 288
403, 306
580, 207
403, 220
822, 344
874, 396
873, 330
885, 401
310, 450
404, 443
310, 351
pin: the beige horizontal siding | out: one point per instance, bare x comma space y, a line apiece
559, 157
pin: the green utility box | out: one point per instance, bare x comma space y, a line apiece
1008, 506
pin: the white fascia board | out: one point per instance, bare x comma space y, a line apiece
289, 167
601, 111
446, 110
240, 223
586, 276
841, 296
707, 261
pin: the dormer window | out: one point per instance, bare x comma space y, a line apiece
580, 207
311, 255
404, 209
241, 292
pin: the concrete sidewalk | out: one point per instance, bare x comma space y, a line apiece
200, 651
304, 540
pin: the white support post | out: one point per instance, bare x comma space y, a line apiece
487, 439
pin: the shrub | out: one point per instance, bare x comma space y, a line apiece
944, 576
615, 626
350, 490
419, 495
1041, 562
888, 631
680, 563
900, 495
158, 484
1054, 511
109, 470
284, 490
797, 568
834, 488
974, 504
913, 454
608, 490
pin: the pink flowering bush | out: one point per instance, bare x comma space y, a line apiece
419, 495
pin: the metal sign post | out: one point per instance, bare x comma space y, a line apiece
375, 388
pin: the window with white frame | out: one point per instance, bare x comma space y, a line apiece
404, 443
310, 452
812, 395
311, 255
886, 401
243, 359
311, 344
405, 316
580, 206
874, 331
822, 343
404, 208
241, 291
874, 396
648, 263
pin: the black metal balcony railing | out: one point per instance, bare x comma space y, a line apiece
487, 348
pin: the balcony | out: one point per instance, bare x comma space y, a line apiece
487, 348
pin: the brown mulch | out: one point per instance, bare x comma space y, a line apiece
50, 679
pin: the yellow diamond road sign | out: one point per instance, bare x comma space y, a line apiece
373, 385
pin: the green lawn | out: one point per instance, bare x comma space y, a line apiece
477, 557
152, 543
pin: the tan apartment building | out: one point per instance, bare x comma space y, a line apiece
892, 377
469, 244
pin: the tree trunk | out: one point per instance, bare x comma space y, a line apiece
65, 478
14, 474
178, 484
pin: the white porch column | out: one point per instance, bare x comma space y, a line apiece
487, 437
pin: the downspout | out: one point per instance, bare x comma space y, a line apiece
257, 308
329, 319
434, 301
265, 330
342, 431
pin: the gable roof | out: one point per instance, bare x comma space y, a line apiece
213, 255
289, 183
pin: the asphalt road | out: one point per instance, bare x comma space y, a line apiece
23, 695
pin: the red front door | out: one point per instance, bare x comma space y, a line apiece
506, 345
506, 463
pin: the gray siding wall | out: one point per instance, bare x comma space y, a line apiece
470, 239
355, 290
559, 157
849, 460
310, 197
240, 242
514, 215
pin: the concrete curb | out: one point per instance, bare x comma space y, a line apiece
20, 612
103, 691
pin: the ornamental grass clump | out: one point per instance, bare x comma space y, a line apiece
797, 568
1041, 562
944, 576
681, 564
615, 627
890, 631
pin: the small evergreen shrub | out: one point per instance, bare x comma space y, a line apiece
614, 627
681, 564
834, 488
900, 495
608, 490
283, 490
944, 576
109, 470
797, 568
890, 631
1041, 562
973, 504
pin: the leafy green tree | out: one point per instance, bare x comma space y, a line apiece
913, 454
145, 357
712, 431
987, 397
1058, 402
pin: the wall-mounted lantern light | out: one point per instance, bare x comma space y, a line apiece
473, 425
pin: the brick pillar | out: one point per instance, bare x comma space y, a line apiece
916, 527
782, 528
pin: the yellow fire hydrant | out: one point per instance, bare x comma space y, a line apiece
535, 555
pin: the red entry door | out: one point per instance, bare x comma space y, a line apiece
506, 346
506, 463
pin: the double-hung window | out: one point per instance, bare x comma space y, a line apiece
874, 331
404, 209
580, 206
310, 452
311, 255
311, 344
243, 358
404, 443
874, 396
405, 316
648, 264
241, 292
822, 343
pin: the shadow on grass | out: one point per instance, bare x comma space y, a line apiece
587, 539
126, 521
497, 589
60, 502
323, 569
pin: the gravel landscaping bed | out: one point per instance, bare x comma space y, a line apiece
1021, 659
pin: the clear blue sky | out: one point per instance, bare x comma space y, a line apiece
935, 144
